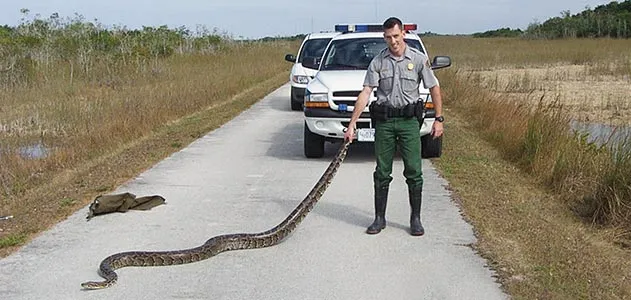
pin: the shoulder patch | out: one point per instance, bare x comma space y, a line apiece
415, 50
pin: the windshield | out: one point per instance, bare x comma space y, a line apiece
313, 48
356, 54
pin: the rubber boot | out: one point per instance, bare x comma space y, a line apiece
416, 198
381, 200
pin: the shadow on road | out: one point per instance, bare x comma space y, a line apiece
345, 213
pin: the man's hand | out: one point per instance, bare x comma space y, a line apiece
349, 134
437, 129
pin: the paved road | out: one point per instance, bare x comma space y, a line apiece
246, 177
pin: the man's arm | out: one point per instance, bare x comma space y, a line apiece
437, 100
360, 105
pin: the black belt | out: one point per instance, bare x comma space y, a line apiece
382, 112
406, 112
395, 112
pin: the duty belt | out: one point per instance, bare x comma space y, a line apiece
382, 112
399, 112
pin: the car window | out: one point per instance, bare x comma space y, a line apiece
313, 48
356, 54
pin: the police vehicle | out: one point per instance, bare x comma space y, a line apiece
330, 96
312, 46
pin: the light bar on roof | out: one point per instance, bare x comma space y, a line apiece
358, 28
409, 27
368, 27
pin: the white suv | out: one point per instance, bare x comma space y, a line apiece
312, 46
330, 96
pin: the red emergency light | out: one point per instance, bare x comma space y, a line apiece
409, 27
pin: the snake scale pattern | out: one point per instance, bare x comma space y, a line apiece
220, 243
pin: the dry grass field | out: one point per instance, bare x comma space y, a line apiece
591, 79
588, 97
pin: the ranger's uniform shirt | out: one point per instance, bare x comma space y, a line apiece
397, 78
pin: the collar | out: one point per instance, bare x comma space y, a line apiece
407, 53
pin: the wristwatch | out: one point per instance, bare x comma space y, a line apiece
440, 119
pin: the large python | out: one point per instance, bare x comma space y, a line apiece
220, 243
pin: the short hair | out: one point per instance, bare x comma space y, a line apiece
390, 22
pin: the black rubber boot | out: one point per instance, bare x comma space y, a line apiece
381, 200
416, 198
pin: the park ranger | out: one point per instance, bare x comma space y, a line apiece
396, 72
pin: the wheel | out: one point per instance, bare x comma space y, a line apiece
314, 144
431, 147
297, 98
295, 105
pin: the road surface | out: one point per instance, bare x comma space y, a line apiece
247, 176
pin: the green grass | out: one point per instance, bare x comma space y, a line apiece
13, 240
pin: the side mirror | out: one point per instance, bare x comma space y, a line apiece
440, 62
311, 62
290, 58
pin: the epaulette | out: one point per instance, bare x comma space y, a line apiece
416, 50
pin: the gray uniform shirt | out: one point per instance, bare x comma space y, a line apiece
397, 79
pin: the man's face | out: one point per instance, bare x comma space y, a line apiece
394, 37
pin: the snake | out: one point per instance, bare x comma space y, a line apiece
219, 243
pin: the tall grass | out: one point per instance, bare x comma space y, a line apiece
83, 91
522, 114
594, 180
41, 49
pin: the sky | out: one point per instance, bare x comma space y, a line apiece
256, 19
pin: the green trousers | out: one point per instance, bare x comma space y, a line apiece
403, 132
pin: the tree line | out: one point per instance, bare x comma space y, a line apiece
611, 20
40, 43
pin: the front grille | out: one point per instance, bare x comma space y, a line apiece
346, 93
349, 93
347, 102
359, 124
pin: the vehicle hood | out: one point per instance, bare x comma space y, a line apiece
347, 80
300, 70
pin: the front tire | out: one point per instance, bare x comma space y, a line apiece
313, 144
296, 98
295, 105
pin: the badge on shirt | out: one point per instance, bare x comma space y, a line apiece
410, 66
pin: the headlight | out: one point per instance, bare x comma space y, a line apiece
316, 97
300, 79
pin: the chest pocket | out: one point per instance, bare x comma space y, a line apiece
409, 81
386, 78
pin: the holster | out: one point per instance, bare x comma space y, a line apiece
377, 112
419, 112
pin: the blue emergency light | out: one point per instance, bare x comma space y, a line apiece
368, 27
343, 107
